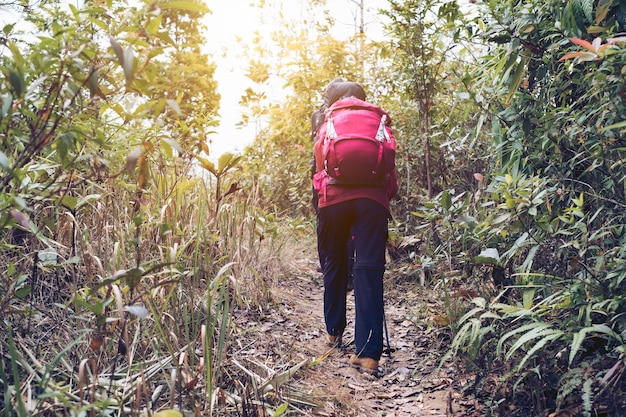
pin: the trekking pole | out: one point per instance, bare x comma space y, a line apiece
386, 333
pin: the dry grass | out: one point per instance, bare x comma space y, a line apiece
133, 310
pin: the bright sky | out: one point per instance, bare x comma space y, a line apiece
234, 22
231, 25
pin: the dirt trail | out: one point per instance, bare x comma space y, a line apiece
411, 384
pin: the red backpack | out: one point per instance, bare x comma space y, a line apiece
356, 146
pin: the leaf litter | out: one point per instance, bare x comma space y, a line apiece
412, 382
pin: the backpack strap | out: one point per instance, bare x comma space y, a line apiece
331, 133
382, 133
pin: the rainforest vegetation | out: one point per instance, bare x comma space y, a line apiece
130, 252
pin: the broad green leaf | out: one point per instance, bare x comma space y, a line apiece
226, 162
92, 82
469, 220
133, 277
280, 410
577, 341
538, 346
8, 28
153, 26
87, 199
175, 145
521, 329
99, 23
446, 200
7, 102
501, 218
48, 256
129, 63
16, 79
69, 202
74, 11
539, 331
4, 161
208, 165
117, 48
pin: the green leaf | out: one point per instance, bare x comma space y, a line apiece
206, 164
587, 7
488, 256
517, 79
69, 202
577, 341
8, 28
528, 298
129, 63
4, 161
92, 82
173, 144
16, 79
513, 332
539, 331
446, 200
23, 292
614, 126
226, 162
280, 379
117, 48
87, 199
6, 104
174, 106
153, 26
102, 25
280, 410
538, 346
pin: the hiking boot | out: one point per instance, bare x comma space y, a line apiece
334, 341
365, 365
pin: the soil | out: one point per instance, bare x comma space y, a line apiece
412, 381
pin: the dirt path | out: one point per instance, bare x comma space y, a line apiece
411, 383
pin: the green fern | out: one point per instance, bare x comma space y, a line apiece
586, 397
570, 383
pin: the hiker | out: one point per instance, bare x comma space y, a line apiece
355, 179
317, 119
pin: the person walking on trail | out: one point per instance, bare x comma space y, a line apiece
355, 178
317, 119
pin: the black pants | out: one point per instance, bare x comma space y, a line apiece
367, 221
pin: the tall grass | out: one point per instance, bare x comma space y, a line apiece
131, 311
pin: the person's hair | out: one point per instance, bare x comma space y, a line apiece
342, 89
335, 90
